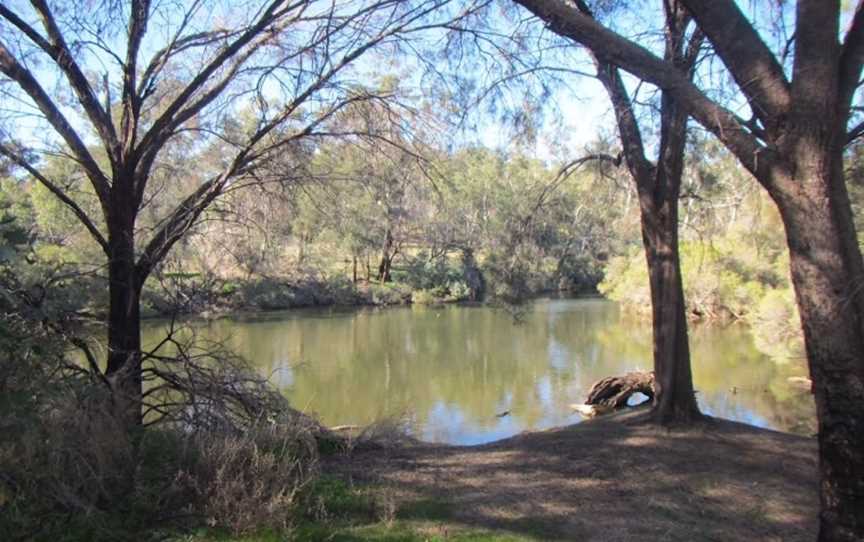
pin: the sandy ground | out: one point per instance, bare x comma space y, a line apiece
613, 478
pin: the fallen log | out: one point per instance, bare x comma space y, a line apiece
614, 391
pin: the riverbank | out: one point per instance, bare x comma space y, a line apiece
193, 296
224, 297
613, 478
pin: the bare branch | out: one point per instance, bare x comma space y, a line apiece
21, 75
139, 13
59, 51
162, 127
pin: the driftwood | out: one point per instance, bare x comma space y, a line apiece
614, 391
589, 411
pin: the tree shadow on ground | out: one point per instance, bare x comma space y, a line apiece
614, 478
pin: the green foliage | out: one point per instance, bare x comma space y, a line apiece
392, 293
777, 327
720, 280
740, 273
436, 280
16, 220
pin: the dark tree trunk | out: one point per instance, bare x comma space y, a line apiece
659, 186
387, 255
826, 270
674, 400
354, 268
124, 324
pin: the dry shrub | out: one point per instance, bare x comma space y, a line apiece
226, 451
82, 474
68, 470
249, 481
390, 432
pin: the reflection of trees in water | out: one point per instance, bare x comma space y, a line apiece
454, 368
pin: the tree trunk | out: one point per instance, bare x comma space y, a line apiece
386, 258
124, 325
826, 268
659, 187
674, 400
354, 268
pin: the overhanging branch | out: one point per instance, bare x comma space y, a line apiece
59, 193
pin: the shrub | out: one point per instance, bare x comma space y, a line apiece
247, 482
228, 451
424, 297
776, 326
393, 293
721, 279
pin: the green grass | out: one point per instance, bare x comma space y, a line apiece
399, 531
338, 512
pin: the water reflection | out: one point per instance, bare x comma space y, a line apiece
451, 370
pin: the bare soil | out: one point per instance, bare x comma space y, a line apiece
613, 478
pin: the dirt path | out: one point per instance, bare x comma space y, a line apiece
613, 478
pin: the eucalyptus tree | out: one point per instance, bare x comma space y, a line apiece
658, 186
115, 84
802, 99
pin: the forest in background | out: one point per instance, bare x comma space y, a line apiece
382, 225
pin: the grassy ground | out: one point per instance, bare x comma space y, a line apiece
369, 513
616, 478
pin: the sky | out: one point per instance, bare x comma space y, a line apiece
578, 115
579, 111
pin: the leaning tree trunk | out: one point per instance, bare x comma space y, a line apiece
124, 326
828, 276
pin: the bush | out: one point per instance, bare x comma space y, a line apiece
228, 452
421, 273
78, 476
722, 280
248, 482
777, 326
393, 293
424, 297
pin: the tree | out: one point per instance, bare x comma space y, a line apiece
659, 187
140, 93
794, 146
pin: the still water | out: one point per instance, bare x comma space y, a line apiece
449, 371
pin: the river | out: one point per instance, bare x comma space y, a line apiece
448, 373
